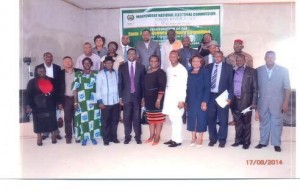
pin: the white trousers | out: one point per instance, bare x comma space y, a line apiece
176, 123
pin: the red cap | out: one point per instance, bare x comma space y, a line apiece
239, 41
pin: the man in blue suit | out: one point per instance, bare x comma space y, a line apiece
146, 48
221, 80
273, 98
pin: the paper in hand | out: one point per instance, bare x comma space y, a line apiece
222, 99
246, 110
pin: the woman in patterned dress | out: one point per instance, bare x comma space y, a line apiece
155, 85
87, 114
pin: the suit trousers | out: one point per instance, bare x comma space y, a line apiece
270, 123
110, 121
176, 124
216, 112
242, 123
69, 116
132, 117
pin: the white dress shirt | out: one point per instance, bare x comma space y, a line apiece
49, 70
95, 58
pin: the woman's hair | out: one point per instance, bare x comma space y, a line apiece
115, 43
154, 56
206, 34
87, 59
200, 57
99, 37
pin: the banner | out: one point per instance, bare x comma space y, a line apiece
193, 21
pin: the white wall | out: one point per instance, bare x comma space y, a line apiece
62, 28
52, 26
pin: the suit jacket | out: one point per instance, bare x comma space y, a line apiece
206, 59
62, 85
182, 58
226, 78
271, 92
124, 81
33, 91
144, 53
249, 91
56, 71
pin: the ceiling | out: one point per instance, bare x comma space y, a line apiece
115, 4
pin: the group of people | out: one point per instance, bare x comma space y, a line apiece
171, 80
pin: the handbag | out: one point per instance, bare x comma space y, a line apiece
144, 119
60, 121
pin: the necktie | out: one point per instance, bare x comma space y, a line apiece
214, 77
132, 87
125, 53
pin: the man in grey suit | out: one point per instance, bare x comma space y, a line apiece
273, 98
146, 48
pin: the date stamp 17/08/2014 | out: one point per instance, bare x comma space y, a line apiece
264, 162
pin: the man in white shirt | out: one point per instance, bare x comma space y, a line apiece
174, 97
52, 71
168, 46
88, 52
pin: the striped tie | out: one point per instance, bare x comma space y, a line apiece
214, 77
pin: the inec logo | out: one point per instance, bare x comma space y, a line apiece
130, 17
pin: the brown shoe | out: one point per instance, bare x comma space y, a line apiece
53, 138
39, 139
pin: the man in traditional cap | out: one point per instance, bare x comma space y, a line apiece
238, 46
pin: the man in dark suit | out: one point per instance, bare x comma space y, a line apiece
131, 82
245, 91
221, 80
186, 53
146, 48
52, 70
66, 95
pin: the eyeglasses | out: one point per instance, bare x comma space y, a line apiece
237, 45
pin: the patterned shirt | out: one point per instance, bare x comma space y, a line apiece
231, 59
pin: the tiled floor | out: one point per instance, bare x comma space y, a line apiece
69, 161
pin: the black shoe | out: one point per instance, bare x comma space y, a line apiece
259, 146
168, 142
245, 146
174, 144
211, 144
126, 141
222, 145
106, 143
235, 144
116, 141
277, 148
138, 142
68, 141
58, 137
77, 141
44, 137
